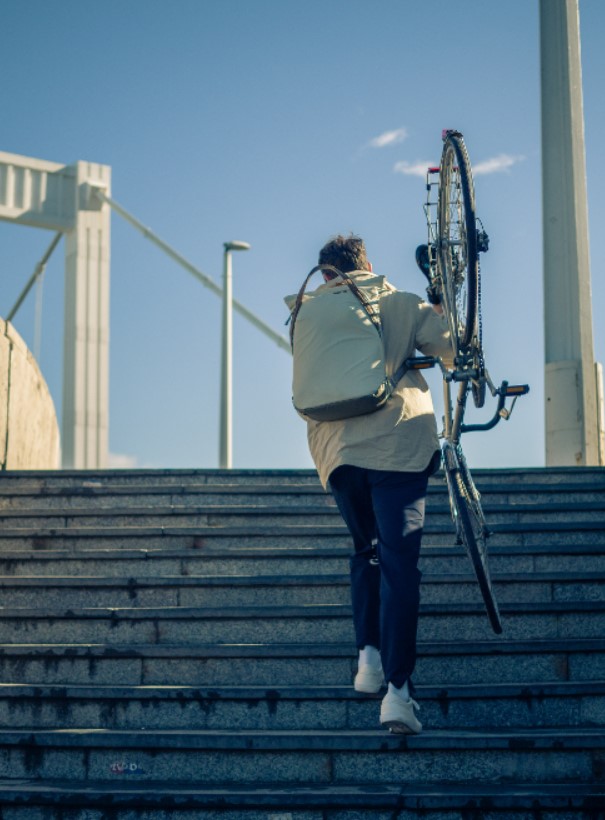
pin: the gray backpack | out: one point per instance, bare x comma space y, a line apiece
339, 362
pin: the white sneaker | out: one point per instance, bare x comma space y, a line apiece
397, 715
369, 679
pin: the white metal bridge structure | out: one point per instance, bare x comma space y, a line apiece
75, 202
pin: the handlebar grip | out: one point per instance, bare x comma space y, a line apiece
421, 362
516, 389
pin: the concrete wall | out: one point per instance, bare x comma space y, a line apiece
29, 432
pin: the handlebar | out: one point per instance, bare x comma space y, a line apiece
503, 392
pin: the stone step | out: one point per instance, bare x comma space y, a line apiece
125, 798
279, 590
475, 706
331, 623
41, 480
172, 555
440, 663
371, 757
103, 495
106, 498
501, 517
529, 535
128, 680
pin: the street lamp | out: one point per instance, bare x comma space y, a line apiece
226, 420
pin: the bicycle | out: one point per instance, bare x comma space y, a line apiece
456, 237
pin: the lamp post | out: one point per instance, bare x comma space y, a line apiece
226, 420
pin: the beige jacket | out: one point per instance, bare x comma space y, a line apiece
403, 434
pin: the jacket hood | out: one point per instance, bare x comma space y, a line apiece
365, 279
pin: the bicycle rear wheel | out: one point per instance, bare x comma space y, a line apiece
472, 530
458, 255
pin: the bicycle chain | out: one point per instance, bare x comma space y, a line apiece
480, 316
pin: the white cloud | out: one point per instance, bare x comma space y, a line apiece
388, 138
120, 461
495, 165
413, 169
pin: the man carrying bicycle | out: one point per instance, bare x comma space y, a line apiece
377, 467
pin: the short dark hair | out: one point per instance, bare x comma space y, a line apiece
347, 253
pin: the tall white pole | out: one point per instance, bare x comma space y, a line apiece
225, 457
571, 393
85, 432
225, 440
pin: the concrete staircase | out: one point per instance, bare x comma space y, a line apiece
178, 645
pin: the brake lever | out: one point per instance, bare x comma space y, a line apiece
514, 390
506, 414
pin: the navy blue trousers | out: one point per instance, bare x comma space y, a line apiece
384, 512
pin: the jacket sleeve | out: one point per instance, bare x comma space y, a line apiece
432, 334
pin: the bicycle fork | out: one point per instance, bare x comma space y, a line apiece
454, 463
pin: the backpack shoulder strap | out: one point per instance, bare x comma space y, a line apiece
355, 290
398, 374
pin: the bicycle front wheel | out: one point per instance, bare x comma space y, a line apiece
457, 245
470, 526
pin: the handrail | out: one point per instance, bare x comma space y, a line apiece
98, 192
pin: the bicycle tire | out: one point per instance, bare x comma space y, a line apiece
468, 518
458, 256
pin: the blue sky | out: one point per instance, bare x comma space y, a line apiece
265, 121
